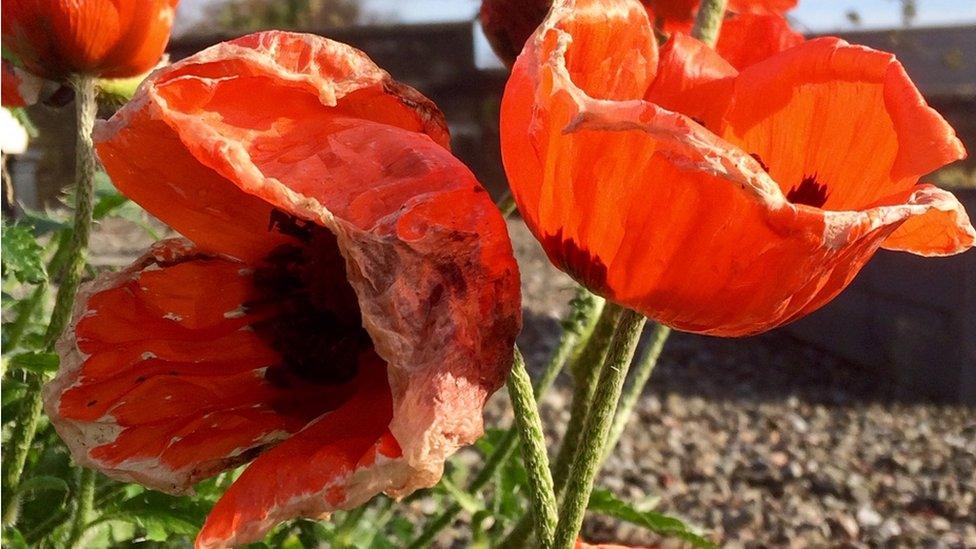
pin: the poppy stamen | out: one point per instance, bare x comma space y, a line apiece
317, 326
809, 192
759, 159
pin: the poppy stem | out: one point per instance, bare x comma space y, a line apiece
18, 446
708, 23
589, 455
586, 370
86, 109
529, 426
23, 320
59, 519
638, 380
83, 506
578, 326
506, 204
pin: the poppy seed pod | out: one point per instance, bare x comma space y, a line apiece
344, 302
715, 201
106, 38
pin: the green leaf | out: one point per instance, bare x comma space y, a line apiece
467, 502
43, 483
13, 539
41, 363
43, 222
22, 254
480, 523
605, 503
161, 516
107, 204
402, 529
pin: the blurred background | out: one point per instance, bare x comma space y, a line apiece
853, 427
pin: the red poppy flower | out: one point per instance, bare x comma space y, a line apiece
108, 38
20, 89
344, 304
751, 32
679, 15
748, 38
716, 202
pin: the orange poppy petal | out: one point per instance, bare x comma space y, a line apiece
936, 224
338, 462
108, 38
678, 16
166, 377
692, 79
749, 38
147, 151
838, 126
653, 211
296, 125
761, 6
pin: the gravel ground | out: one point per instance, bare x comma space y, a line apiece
760, 442
767, 442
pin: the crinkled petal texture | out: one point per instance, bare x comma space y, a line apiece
344, 303
753, 203
109, 38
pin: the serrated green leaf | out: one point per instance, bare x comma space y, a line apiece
22, 254
161, 516
38, 362
604, 502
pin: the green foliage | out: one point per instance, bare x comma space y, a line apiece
37, 362
605, 503
21, 255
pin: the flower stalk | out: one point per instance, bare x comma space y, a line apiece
589, 454
25, 428
533, 444
638, 380
708, 23
86, 110
577, 330
586, 370
83, 507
